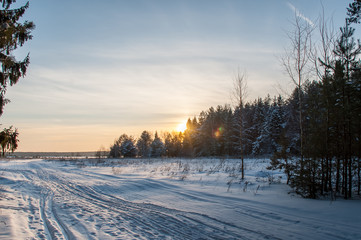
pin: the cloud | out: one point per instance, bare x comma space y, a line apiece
299, 14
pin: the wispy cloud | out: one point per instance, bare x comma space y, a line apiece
299, 14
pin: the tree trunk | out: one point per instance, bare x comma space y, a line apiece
287, 170
345, 192
359, 176
359, 158
241, 136
350, 178
330, 176
322, 176
327, 149
338, 166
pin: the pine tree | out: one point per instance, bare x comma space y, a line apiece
356, 78
354, 11
347, 51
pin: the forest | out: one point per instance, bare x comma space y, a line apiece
313, 134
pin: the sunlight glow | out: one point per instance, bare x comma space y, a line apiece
182, 127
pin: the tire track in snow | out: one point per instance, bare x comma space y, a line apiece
69, 198
53, 225
50, 230
148, 220
203, 225
199, 219
105, 205
271, 216
64, 229
253, 211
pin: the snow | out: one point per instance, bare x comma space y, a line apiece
163, 199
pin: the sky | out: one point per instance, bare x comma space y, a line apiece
99, 69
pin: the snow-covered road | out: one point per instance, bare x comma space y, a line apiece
60, 200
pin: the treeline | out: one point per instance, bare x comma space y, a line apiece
214, 133
332, 128
314, 135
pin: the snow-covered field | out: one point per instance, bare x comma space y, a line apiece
163, 199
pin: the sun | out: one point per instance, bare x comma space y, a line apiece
182, 127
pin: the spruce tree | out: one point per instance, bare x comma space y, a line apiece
187, 144
143, 144
157, 147
13, 34
120, 145
127, 148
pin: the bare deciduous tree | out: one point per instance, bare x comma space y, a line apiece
297, 61
239, 95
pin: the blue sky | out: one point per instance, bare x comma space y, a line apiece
102, 68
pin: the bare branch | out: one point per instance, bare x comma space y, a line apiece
297, 58
239, 93
322, 55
